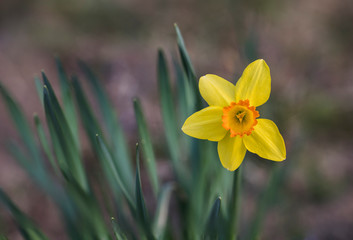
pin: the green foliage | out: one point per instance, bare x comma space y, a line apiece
211, 230
28, 229
146, 143
117, 211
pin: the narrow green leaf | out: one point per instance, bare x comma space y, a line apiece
146, 144
116, 138
234, 206
39, 88
91, 225
92, 128
140, 201
188, 68
88, 119
186, 96
107, 158
118, 235
184, 54
35, 170
161, 216
22, 126
169, 119
27, 227
211, 230
29, 158
44, 141
56, 119
67, 100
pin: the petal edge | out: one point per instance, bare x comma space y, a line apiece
254, 84
231, 151
205, 124
216, 91
266, 141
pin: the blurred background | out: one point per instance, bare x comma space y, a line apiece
306, 43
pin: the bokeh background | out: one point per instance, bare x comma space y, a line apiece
306, 43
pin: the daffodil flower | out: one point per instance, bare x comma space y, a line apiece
231, 119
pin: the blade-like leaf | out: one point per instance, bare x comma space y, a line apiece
168, 114
234, 206
211, 230
146, 144
67, 100
92, 128
188, 68
73, 168
185, 59
117, 233
115, 135
186, 96
88, 119
161, 216
39, 88
107, 158
21, 125
45, 144
35, 170
140, 201
27, 227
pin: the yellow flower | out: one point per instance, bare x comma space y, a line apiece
232, 120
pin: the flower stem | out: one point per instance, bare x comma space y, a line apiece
234, 206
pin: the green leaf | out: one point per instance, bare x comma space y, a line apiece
118, 235
234, 206
146, 144
186, 96
169, 119
35, 170
44, 141
91, 225
92, 128
27, 227
71, 164
115, 135
185, 59
211, 230
39, 88
161, 216
68, 103
22, 126
30, 157
107, 158
140, 201
88, 119
188, 68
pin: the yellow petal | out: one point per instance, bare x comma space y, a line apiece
205, 124
266, 141
216, 91
231, 151
254, 84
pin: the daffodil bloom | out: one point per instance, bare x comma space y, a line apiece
231, 119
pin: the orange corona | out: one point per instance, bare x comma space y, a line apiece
240, 118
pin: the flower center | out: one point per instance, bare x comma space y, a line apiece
240, 118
